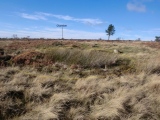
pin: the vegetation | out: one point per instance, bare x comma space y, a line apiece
157, 39
79, 80
110, 31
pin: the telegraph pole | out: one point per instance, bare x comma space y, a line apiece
62, 28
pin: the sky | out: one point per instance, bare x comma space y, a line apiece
85, 19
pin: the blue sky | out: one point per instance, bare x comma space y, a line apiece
85, 19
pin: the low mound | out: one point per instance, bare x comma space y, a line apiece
31, 58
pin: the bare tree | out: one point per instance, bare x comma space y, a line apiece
15, 36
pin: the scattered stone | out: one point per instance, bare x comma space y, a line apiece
117, 51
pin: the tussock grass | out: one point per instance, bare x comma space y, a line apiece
7, 74
91, 83
86, 58
153, 65
93, 97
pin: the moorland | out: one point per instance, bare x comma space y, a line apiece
79, 80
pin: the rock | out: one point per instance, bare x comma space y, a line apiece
117, 51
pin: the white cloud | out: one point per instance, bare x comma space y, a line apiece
64, 17
83, 20
44, 16
33, 17
152, 31
54, 33
85, 34
138, 7
90, 21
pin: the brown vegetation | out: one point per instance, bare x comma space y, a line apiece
80, 80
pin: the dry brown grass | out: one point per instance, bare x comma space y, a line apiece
94, 97
76, 87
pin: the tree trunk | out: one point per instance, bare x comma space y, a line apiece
108, 37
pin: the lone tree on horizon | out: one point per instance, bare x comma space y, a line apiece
110, 31
157, 38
